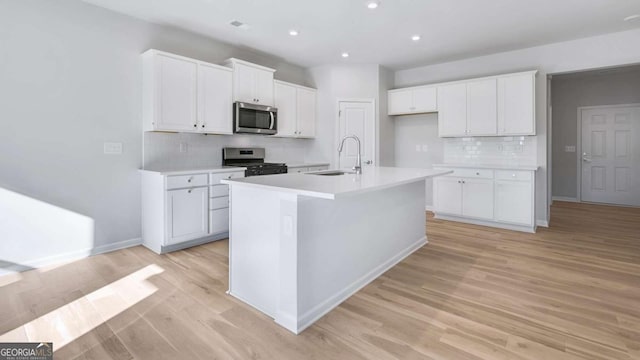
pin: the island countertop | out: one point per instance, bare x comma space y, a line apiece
332, 187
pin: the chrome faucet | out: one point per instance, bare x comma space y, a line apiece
358, 166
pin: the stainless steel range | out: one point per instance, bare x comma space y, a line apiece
253, 160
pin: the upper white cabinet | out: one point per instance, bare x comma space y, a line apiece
185, 95
516, 104
452, 110
413, 100
251, 83
497, 105
296, 110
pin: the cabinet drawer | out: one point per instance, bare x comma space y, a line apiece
183, 181
219, 203
470, 173
219, 190
513, 175
215, 178
298, 170
318, 168
219, 221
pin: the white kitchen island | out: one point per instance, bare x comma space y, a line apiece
300, 244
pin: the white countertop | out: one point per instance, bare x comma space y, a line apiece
332, 187
312, 164
215, 169
488, 166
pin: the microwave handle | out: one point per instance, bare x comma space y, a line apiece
273, 120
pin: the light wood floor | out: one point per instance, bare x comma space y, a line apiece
568, 292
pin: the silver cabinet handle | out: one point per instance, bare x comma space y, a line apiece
189, 191
478, 173
368, 162
229, 177
189, 180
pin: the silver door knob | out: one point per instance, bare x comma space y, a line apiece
368, 162
585, 157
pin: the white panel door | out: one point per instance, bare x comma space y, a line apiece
187, 214
306, 112
285, 101
357, 118
215, 100
264, 87
611, 155
452, 110
482, 105
244, 83
477, 198
516, 105
448, 195
400, 102
514, 202
176, 94
424, 99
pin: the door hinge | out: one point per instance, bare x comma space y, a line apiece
339, 113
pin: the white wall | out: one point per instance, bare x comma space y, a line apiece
571, 91
70, 80
600, 51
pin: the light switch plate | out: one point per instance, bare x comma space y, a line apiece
418, 148
425, 148
570, 148
112, 148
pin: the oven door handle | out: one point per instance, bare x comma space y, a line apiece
273, 120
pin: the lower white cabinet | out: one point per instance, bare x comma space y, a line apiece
304, 169
184, 210
187, 214
491, 197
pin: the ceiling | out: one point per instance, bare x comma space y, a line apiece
449, 29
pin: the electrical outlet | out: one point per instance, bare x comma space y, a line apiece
418, 148
570, 148
184, 147
112, 148
425, 148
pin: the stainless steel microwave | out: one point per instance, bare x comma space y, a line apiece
255, 119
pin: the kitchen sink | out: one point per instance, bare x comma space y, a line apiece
330, 173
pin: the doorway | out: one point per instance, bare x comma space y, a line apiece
610, 154
356, 117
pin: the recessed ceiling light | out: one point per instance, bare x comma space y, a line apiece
632, 17
345, 54
415, 37
373, 4
293, 32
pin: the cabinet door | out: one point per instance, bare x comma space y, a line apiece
400, 102
514, 202
452, 110
215, 100
176, 94
425, 99
306, 113
448, 195
264, 87
477, 198
244, 83
285, 101
482, 105
187, 214
516, 105
219, 221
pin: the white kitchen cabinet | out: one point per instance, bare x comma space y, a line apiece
482, 107
252, 83
303, 169
182, 210
187, 214
296, 110
516, 104
412, 100
185, 95
452, 110
490, 197
215, 100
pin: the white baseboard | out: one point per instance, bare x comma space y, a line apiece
429, 208
523, 228
324, 307
543, 223
70, 256
564, 198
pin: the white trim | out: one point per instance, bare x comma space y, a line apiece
71, 256
489, 223
329, 304
565, 199
543, 223
579, 142
429, 208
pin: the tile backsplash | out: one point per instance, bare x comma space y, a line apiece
192, 151
511, 150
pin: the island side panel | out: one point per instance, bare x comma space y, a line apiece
346, 243
254, 244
